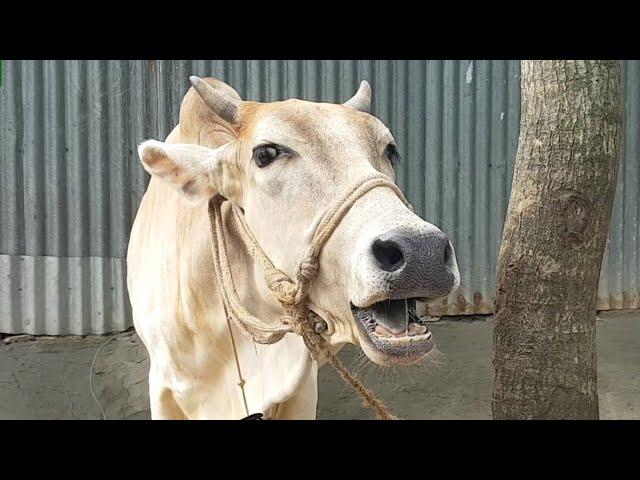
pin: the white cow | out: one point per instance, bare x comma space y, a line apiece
283, 163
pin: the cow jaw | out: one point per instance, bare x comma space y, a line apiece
391, 332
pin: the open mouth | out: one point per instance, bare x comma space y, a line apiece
394, 330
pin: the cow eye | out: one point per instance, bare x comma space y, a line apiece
263, 155
392, 154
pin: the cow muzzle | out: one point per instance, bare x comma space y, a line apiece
399, 268
415, 264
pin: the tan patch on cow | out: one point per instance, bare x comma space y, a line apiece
154, 157
159, 163
199, 122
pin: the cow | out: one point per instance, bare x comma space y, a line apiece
282, 164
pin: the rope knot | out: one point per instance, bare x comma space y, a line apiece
287, 320
305, 273
284, 289
308, 269
296, 327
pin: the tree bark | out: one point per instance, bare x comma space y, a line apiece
554, 239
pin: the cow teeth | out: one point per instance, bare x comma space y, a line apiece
388, 336
383, 332
413, 330
416, 329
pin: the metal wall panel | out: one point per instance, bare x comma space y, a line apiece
619, 280
71, 182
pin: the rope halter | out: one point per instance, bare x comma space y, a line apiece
293, 295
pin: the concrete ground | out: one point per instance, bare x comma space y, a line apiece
44, 378
459, 386
48, 377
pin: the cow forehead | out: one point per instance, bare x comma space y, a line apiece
319, 124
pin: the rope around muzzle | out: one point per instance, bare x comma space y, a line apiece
293, 296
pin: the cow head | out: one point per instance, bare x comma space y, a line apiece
284, 163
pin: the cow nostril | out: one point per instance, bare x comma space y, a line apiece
388, 254
448, 255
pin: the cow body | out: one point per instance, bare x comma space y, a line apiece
322, 150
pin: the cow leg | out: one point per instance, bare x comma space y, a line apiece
302, 405
163, 403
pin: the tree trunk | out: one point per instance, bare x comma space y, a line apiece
554, 239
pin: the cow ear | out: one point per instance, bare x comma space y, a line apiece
190, 169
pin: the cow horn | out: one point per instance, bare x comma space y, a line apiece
223, 105
362, 99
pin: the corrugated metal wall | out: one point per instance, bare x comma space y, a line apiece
70, 184
71, 181
620, 278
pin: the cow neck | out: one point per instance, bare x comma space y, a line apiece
292, 294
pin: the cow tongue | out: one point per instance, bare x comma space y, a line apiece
391, 315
